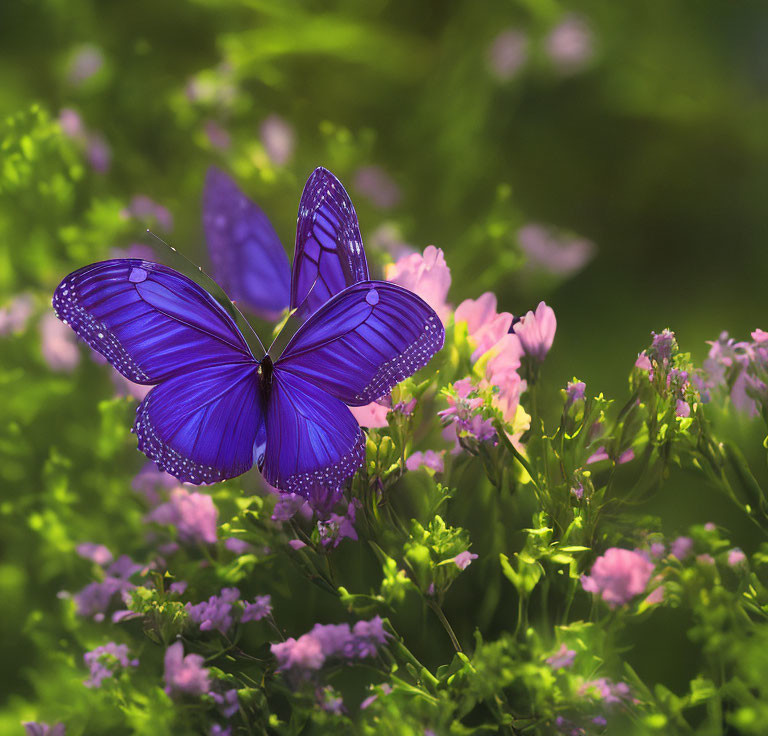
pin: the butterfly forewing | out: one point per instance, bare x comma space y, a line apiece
329, 253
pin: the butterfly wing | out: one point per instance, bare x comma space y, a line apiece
156, 326
314, 441
248, 259
365, 340
329, 252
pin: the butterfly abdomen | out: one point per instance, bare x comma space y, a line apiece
266, 371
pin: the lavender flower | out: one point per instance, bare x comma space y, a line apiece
570, 44
338, 527
378, 186
536, 331
228, 702
105, 661
97, 553
95, 598
562, 256
464, 410
575, 391
259, 609
464, 559
43, 729
216, 612
278, 138
219, 730
508, 53
185, 675
562, 658
681, 547
193, 514
618, 576
736, 557
15, 316
428, 459
86, 63
606, 690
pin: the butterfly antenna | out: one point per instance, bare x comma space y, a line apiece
210, 285
293, 311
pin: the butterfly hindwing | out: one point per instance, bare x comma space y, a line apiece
313, 439
156, 326
249, 261
365, 340
329, 253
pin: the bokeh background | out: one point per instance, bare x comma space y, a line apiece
610, 158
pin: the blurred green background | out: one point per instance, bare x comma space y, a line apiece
639, 127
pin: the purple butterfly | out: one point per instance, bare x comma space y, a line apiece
249, 261
215, 409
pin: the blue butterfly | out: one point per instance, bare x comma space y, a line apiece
215, 408
249, 261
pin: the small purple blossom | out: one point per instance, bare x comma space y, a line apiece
105, 661
217, 135
508, 53
662, 347
97, 553
383, 690
86, 63
216, 612
606, 690
578, 491
238, 546
259, 609
428, 459
570, 44
185, 675
228, 702
464, 559
557, 254
304, 653
376, 185
618, 576
15, 316
736, 557
287, 506
95, 598
681, 547
658, 550
218, 730
643, 362
193, 514
562, 658
575, 391
178, 588
338, 527
34, 728
464, 410
278, 138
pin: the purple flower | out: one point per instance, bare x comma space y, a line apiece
278, 138
338, 527
578, 491
464, 559
185, 675
373, 415
662, 347
681, 547
597, 456
97, 553
643, 362
15, 316
228, 702
736, 557
657, 550
144, 208
562, 256
376, 185
705, 559
43, 729
618, 576
238, 546
98, 152
562, 658
58, 344
570, 44
426, 275
216, 612
259, 609
383, 690
86, 63
304, 653
193, 514
149, 479
217, 135
605, 690
95, 598
296, 544
105, 661
575, 391
428, 459
287, 506
508, 53
536, 331
464, 410
219, 730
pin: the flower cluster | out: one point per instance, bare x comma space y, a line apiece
220, 611
104, 661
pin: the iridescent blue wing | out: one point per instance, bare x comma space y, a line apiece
149, 321
314, 441
363, 341
329, 253
248, 259
156, 326
201, 427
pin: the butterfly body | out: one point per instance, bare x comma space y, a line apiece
215, 408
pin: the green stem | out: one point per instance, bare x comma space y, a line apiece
444, 621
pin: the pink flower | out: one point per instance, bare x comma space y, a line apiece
193, 514
373, 415
681, 547
508, 53
71, 124
626, 456
570, 44
378, 186
426, 275
760, 336
537, 331
429, 459
97, 553
657, 596
338, 527
278, 138
501, 371
618, 576
682, 409
58, 344
304, 653
562, 658
705, 559
185, 675
296, 544
643, 362
484, 325
736, 557
558, 255
87, 62
98, 152
598, 456
15, 316
464, 559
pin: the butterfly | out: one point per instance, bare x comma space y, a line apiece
215, 408
249, 261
